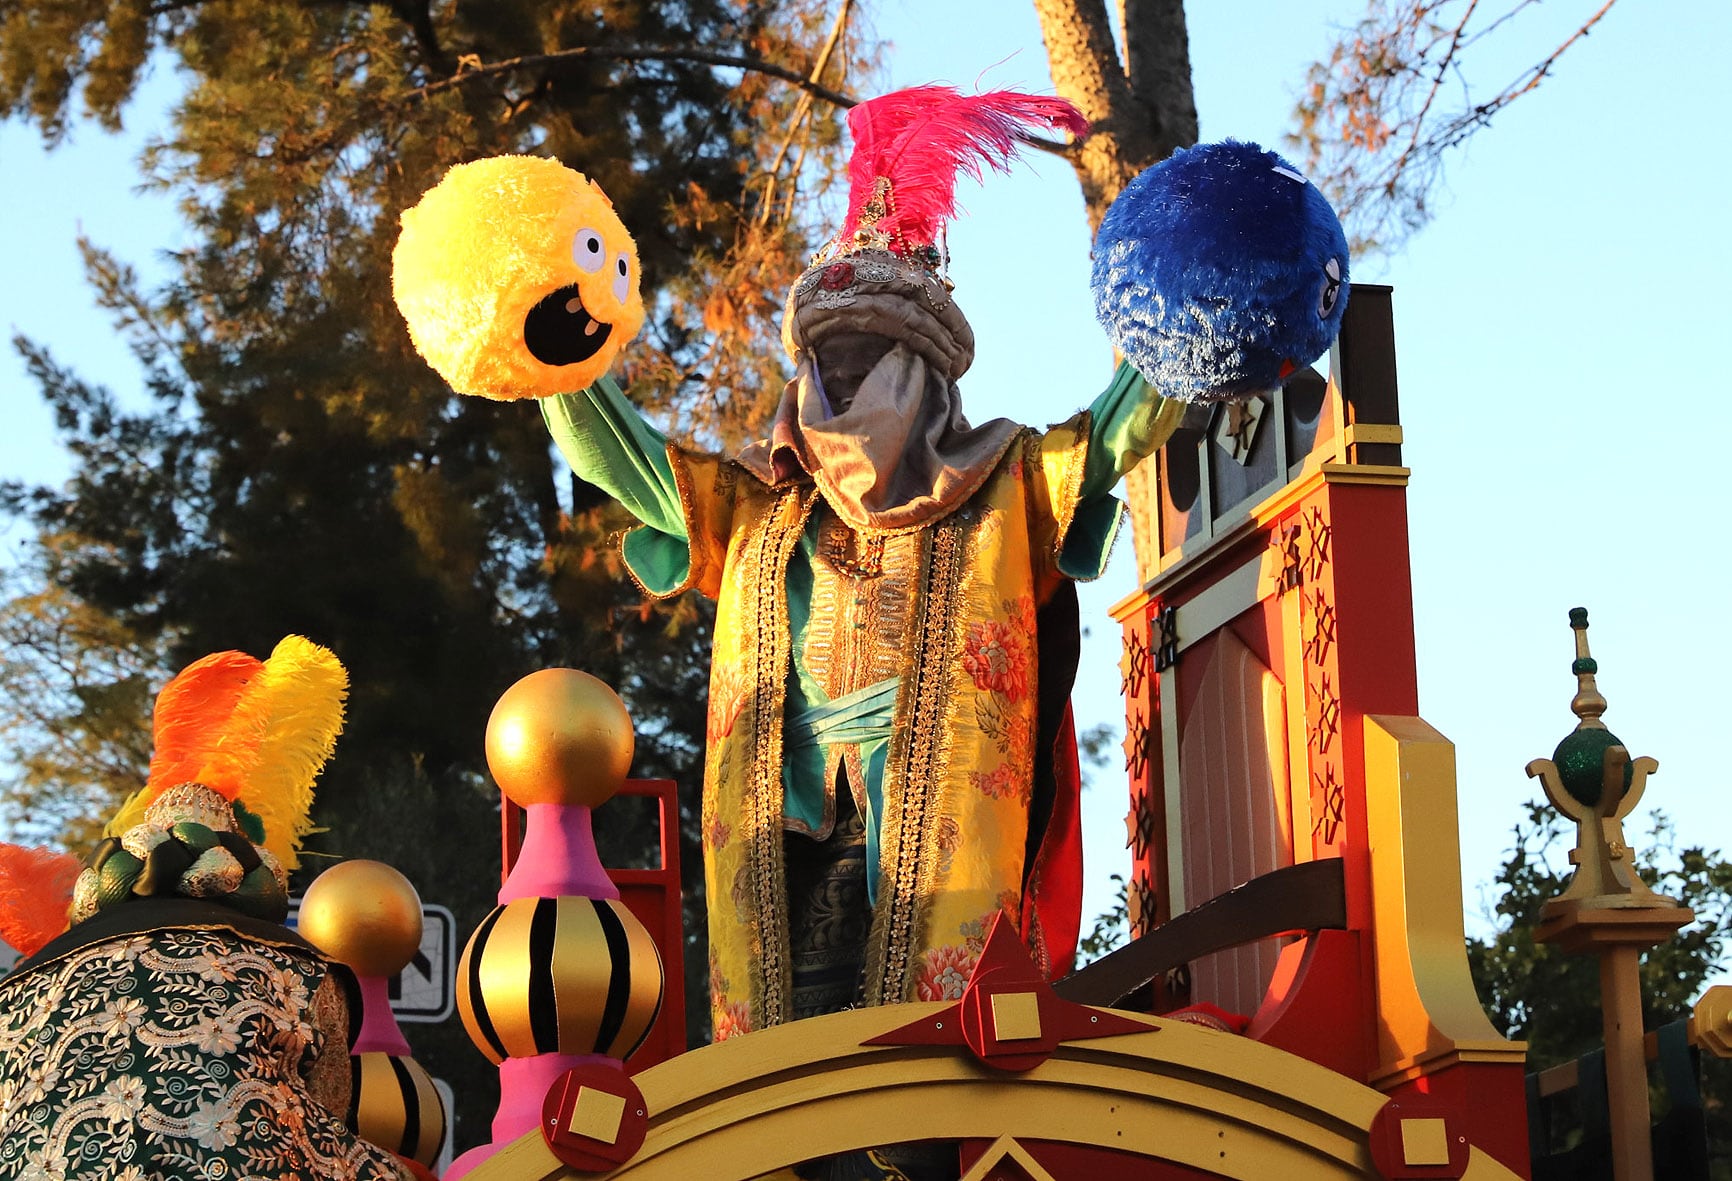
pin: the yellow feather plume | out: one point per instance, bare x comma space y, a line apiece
254, 733
295, 705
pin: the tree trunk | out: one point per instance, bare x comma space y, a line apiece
1140, 109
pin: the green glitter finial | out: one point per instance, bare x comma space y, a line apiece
1581, 755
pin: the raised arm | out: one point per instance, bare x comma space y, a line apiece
609, 444
1126, 423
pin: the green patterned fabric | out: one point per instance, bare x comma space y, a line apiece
177, 1054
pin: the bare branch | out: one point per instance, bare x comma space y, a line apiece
802, 115
1381, 85
667, 53
1442, 69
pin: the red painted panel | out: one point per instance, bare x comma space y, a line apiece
653, 896
1315, 1004
1493, 1101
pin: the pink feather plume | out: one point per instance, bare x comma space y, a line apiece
922, 137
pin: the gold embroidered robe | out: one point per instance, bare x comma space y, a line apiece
949, 609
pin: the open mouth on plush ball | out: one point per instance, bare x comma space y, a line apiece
560, 331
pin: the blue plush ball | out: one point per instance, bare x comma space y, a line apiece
1219, 271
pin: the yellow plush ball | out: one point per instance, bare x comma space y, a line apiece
517, 278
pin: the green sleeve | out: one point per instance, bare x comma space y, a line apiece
1127, 423
609, 444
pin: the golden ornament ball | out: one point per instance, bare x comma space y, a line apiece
559, 736
394, 1104
364, 914
567, 975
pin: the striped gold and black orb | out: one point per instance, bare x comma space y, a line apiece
393, 1103
564, 975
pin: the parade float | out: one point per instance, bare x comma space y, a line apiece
889, 739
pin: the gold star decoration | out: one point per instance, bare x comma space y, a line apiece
1133, 665
1136, 744
1328, 715
1318, 534
1284, 540
1330, 801
1167, 651
1322, 629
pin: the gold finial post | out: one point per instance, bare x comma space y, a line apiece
1587, 704
1607, 910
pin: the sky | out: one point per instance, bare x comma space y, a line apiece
1554, 326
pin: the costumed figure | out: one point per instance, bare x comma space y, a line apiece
890, 760
176, 1028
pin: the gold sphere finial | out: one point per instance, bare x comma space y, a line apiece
364, 914
559, 736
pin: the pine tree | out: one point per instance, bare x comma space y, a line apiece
299, 469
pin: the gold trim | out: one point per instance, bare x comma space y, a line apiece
1073, 468
1229, 531
597, 1114
381, 1107
428, 1100
1391, 1075
1225, 599
1225, 1105
767, 672
1298, 747
688, 508
580, 976
1429, 1013
919, 750
1006, 1149
1167, 704
1365, 473
504, 978
1371, 432
646, 977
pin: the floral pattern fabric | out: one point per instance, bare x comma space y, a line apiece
175, 1054
948, 611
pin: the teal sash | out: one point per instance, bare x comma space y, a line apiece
862, 718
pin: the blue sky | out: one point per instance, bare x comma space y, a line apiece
1556, 327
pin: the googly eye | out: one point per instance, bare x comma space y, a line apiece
1331, 292
588, 250
622, 278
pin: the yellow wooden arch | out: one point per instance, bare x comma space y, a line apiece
1211, 1100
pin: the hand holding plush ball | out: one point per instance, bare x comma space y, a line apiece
1219, 271
517, 278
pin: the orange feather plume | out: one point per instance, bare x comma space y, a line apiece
35, 891
191, 708
254, 731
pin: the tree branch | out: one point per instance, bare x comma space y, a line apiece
671, 53
1158, 63
802, 111
418, 15
1455, 42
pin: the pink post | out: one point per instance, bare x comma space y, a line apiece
380, 1032
559, 743
558, 859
